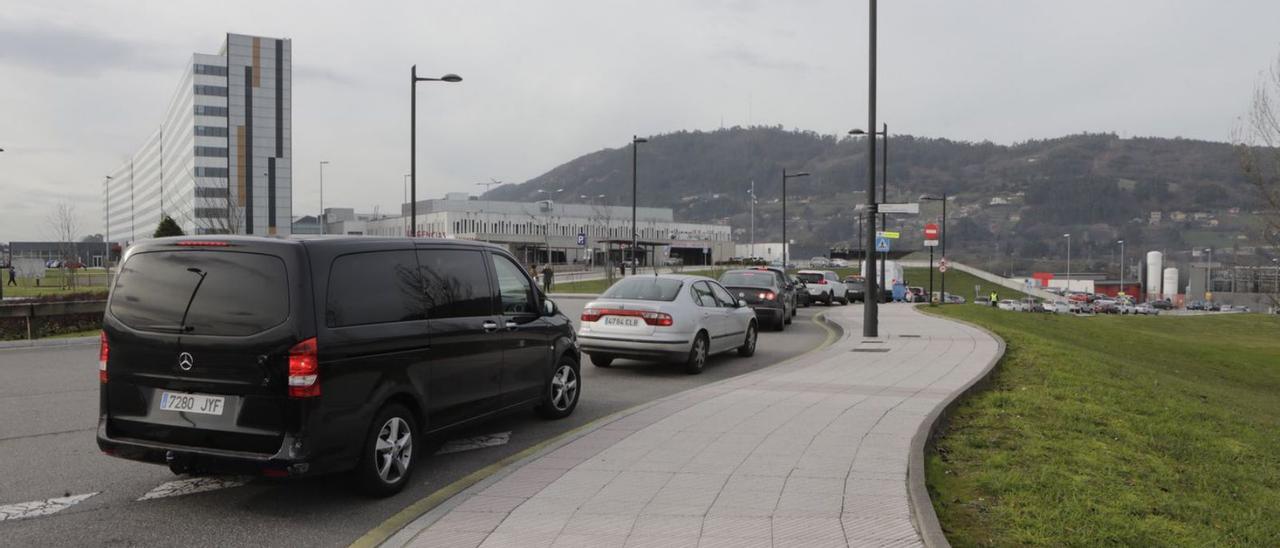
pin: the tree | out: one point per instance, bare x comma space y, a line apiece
64, 226
168, 227
1257, 141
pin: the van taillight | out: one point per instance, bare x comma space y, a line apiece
304, 370
103, 351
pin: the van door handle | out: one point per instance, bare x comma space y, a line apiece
490, 326
511, 326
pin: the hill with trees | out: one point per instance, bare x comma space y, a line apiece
1006, 201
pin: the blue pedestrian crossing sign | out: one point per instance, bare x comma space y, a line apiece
882, 245
582, 238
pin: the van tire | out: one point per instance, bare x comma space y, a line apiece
562, 392
368, 479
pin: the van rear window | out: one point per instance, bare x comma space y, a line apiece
230, 293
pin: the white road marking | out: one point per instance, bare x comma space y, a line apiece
33, 509
478, 442
194, 485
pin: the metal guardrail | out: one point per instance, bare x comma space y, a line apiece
32, 310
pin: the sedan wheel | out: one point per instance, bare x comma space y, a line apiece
748, 347
697, 355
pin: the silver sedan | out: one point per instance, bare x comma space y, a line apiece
667, 318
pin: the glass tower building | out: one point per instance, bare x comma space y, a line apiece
221, 160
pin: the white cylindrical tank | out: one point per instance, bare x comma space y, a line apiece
1155, 271
1170, 283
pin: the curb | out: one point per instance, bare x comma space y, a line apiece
917, 491
430, 509
47, 343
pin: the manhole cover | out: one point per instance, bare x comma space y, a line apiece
909, 336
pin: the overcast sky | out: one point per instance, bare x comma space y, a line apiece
83, 82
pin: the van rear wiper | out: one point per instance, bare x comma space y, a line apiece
184, 327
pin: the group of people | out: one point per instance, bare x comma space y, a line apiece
548, 276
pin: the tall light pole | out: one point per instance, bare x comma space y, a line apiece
870, 312
752, 193
785, 242
405, 192
884, 186
635, 233
413, 138
1068, 237
1208, 276
1121, 242
943, 237
106, 238
324, 218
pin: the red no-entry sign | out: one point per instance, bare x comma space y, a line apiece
931, 231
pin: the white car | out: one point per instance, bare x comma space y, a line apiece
1062, 307
824, 285
668, 318
1010, 305
839, 263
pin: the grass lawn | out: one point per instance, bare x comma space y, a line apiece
1152, 431
89, 281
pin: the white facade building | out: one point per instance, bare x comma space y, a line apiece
221, 159
528, 229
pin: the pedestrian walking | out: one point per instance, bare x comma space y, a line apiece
548, 278
13, 275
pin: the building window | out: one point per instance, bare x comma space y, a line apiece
217, 91
211, 212
211, 131
211, 172
210, 192
209, 110
212, 70
212, 152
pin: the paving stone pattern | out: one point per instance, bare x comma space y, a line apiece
812, 452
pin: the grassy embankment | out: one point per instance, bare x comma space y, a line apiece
1151, 431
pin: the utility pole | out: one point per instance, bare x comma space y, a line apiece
752, 192
870, 312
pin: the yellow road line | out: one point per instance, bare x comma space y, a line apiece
394, 524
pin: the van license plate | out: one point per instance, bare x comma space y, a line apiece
191, 403
626, 321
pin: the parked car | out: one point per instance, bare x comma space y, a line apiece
1009, 305
788, 286
765, 291
676, 318
1106, 306
839, 263
1195, 305
952, 298
1146, 309
1062, 307
1032, 304
855, 288
1162, 304
824, 285
819, 262
299, 357
915, 294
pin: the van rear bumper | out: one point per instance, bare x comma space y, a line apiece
284, 462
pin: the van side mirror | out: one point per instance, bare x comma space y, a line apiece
549, 307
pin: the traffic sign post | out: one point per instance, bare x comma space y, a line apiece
887, 234
909, 208
882, 245
582, 239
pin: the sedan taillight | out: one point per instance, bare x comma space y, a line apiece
590, 314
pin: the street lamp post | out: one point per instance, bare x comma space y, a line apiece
752, 193
884, 186
324, 218
870, 312
943, 237
1068, 237
1121, 242
635, 233
106, 238
1208, 276
405, 190
413, 138
785, 242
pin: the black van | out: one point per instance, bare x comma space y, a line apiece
287, 357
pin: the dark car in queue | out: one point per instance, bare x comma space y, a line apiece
764, 292
855, 288
289, 357
790, 289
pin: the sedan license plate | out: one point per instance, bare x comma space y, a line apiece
624, 321
192, 403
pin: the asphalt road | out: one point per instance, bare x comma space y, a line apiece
48, 401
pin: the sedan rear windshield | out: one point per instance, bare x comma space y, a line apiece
229, 293
808, 277
645, 289
749, 278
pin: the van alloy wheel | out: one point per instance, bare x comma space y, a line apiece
393, 451
564, 387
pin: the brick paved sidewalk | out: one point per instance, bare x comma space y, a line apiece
811, 452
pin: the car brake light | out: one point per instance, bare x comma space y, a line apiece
202, 243
767, 295
304, 370
104, 350
660, 319
590, 314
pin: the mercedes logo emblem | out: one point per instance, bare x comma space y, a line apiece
186, 361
